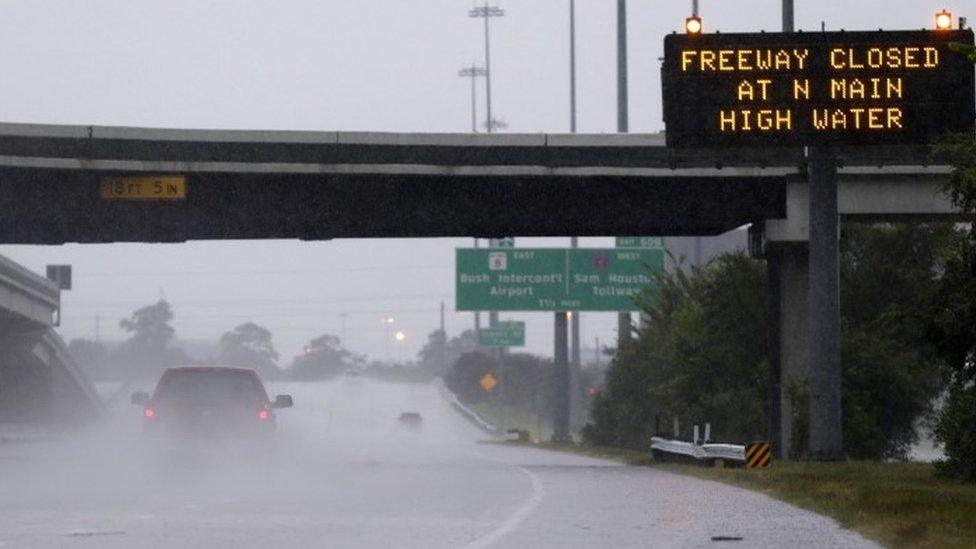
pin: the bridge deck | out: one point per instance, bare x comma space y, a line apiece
319, 185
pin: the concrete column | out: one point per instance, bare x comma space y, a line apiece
775, 394
826, 425
791, 276
560, 397
576, 416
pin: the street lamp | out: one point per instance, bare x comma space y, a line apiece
943, 20
400, 337
473, 72
487, 12
387, 321
572, 66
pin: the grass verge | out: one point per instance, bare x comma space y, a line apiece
896, 504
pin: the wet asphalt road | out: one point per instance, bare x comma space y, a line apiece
344, 473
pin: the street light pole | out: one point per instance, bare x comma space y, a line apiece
572, 66
473, 72
387, 321
622, 122
487, 12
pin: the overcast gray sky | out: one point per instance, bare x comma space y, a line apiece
370, 65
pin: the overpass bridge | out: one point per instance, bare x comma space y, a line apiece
40, 384
320, 185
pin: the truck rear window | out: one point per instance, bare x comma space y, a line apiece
210, 384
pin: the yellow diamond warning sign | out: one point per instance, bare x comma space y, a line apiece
488, 382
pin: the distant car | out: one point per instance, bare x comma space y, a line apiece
209, 401
411, 418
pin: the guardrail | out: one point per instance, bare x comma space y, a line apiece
470, 414
707, 451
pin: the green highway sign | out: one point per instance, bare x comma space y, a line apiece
553, 279
503, 334
507, 242
648, 242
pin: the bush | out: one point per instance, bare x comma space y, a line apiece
956, 430
700, 357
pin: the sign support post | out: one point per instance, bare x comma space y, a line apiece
826, 424
623, 126
575, 400
560, 397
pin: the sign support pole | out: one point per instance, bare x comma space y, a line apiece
560, 401
623, 126
477, 314
774, 333
826, 428
575, 404
500, 356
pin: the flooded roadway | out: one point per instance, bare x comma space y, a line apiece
344, 472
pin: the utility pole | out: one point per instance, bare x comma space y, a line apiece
473, 72
623, 319
487, 12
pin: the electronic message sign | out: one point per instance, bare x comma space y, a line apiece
795, 89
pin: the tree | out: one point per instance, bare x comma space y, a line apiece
891, 370
953, 326
466, 374
147, 350
432, 357
250, 346
150, 328
324, 357
440, 351
700, 357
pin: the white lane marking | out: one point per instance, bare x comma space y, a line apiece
517, 518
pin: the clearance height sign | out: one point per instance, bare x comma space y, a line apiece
794, 89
